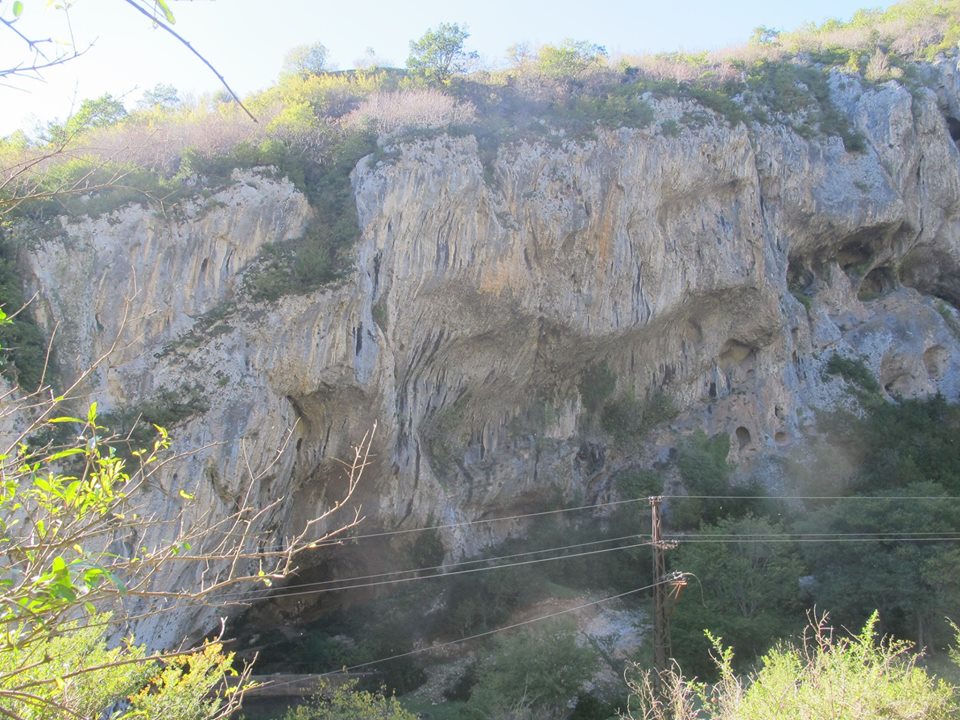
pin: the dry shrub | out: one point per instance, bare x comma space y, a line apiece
674, 67
157, 141
911, 38
421, 108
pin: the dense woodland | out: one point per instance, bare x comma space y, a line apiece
879, 556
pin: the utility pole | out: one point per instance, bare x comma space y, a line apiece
661, 612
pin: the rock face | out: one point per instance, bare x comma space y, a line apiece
720, 267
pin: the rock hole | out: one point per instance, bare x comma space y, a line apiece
854, 258
203, 265
799, 278
743, 437
895, 375
736, 353
953, 126
877, 282
299, 443
935, 361
713, 389
692, 331
780, 437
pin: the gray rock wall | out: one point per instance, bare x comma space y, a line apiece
721, 268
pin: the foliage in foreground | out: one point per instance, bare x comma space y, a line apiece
71, 672
825, 676
59, 512
78, 538
346, 702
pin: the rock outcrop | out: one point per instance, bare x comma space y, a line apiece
719, 266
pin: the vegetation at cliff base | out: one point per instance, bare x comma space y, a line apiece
826, 674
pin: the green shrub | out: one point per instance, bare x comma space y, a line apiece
853, 370
134, 426
570, 59
346, 702
628, 419
749, 591
639, 483
534, 673
702, 462
799, 94
597, 383
670, 128
23, 345
615, 109
826, 676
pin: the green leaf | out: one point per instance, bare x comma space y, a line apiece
92, 412
65, 420
167, 12
116, 581
65, 453
185, 495
17, 10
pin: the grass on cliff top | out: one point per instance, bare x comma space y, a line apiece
150, 155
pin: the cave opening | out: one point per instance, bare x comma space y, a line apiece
743, 438
877, 282
953, 127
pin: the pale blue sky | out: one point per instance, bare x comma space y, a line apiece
247, 39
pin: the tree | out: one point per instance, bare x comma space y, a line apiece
911, 583
162, 96
439, 54
570, 59
750, 590
534, 674
306, 60
78, 541
763, 35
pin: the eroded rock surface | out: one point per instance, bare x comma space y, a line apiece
720, 268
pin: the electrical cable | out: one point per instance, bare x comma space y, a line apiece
756, 541
281, 594
825, 534
487, 633
614, 503
477, 636
446, 568
326, 586
810, 497
447, 526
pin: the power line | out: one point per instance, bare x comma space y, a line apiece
679, 536
447, 526
486, 633
446, 568
614, 503
319, 591
811, 497
759, 541
506, 627
443, 571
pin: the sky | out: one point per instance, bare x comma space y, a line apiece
246, 40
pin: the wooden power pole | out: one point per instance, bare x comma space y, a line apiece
662, 649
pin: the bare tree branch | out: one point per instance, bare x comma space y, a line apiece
183, 41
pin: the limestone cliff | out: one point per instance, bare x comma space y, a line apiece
719, 266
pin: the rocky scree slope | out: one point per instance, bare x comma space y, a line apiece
719, 267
